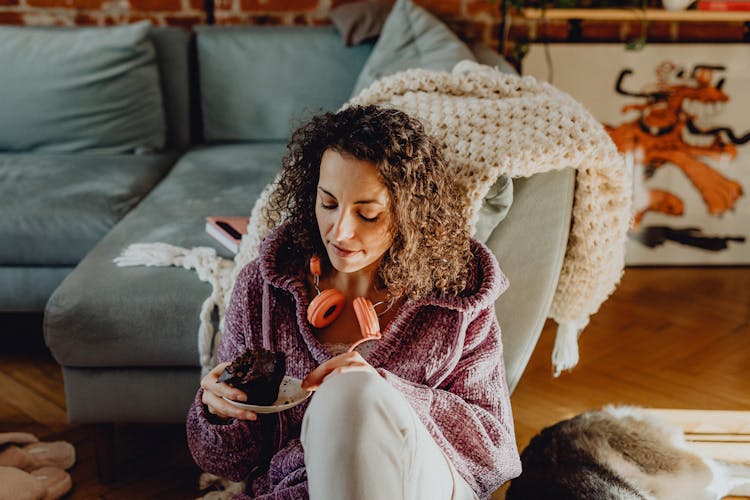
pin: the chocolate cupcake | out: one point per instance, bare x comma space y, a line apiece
258, 373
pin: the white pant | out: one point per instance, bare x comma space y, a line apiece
363, 441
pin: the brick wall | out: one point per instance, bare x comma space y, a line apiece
101, 12
473, 20
602, 31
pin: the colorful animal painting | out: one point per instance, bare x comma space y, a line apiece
680, 112
667, 130
673, 126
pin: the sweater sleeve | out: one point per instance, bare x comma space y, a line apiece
469, 413
231, 448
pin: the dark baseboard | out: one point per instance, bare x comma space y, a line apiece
22, 332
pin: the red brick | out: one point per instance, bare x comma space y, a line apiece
8, 3
223, 5
441, 8
492, 35
134, 18
467, 30
336, 3
86, 20
600, 31
11, 18
711, 32
231, 19
268, 20
198, 4
630, 29
319, 21
156, 5
659, 31
483, 7
186, 22
517, 31
68, 4
225, 19
299, 20
552, 31
278, 5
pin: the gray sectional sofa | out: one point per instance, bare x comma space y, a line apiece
75, 156
126, 338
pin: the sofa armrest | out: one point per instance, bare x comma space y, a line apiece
530, 245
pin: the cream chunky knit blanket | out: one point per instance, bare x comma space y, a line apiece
492, 123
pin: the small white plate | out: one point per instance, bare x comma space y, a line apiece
291, 394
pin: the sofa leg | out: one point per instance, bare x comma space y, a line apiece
104, 452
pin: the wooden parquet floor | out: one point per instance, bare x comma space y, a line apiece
152, 461
667, 338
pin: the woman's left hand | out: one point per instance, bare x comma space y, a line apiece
343, 363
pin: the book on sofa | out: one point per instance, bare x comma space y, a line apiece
227, 230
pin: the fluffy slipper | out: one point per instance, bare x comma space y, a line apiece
17, 438
36, 455
47, 483
56, 481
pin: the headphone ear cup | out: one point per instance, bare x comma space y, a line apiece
325, 308
367, 318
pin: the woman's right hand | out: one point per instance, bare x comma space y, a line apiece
215, 391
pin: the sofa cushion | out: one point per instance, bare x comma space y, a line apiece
57, 207
27, 288
530, 244
82, 89
360, 21
149, 395
412, 38
259, 82
173, 55
104, 315
490, 57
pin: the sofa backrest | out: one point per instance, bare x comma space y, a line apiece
77, 105
81, 90
260, 82
175, 70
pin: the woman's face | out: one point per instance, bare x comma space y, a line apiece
352, 209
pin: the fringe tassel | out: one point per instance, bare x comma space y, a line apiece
151, 254
565, 352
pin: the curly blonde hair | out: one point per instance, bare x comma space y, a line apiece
430, 250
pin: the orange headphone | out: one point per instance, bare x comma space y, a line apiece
328, 304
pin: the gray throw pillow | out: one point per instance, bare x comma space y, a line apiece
360, 22
412, 38
80, 90
495, 207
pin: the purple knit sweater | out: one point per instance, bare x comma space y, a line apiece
444, 354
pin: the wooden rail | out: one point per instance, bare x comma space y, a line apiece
633, 14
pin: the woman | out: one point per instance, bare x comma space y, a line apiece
424, 412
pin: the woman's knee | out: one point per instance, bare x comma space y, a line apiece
346, 400
344, 391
